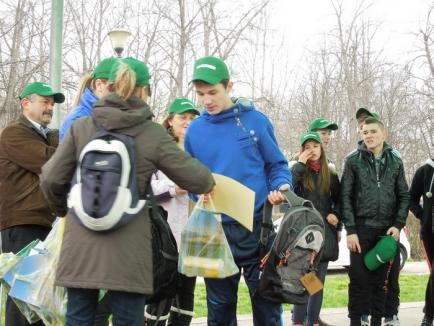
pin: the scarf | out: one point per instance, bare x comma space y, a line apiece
314, 166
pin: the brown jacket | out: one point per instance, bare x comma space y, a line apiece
23, 151
121, 259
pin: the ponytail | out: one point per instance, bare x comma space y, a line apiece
85, 82
125, 83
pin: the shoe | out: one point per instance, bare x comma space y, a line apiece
391, 321
427, 321
364, 320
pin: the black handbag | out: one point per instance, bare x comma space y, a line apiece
330, 250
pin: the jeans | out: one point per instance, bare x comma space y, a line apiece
13, 240
222, 293
311, 310
127, 308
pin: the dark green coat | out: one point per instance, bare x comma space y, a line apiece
119, 260
366, 201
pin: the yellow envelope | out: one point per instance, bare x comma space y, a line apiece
234, 199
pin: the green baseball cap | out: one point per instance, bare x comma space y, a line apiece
310, 135
181, 105
42, 89
102, 69
361, 111
139, 67
321, 123
383, 252
211, 70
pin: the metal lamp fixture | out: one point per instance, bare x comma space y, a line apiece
119, 37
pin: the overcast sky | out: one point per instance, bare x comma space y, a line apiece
304, 21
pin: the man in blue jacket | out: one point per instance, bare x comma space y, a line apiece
234, 139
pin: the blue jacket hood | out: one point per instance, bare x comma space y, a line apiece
84, 109
239, 105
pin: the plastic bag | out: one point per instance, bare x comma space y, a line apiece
34, 280
9, 263
204, 249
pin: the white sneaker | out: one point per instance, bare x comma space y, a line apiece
394, 321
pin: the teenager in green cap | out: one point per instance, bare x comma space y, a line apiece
119, 260
324, 128
92, 87
174, 200
25, 145
314, 180
236, 140
375, 202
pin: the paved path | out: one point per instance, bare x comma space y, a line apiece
410, 314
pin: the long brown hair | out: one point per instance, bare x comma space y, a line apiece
324, 174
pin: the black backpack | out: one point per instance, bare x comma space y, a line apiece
164, 253
301, 233
104, 193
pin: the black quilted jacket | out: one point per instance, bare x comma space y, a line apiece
370, 201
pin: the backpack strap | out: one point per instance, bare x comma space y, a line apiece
267, 223
295, 200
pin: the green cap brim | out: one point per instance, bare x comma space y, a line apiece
330, 125
213, 80
194, 111
57, 97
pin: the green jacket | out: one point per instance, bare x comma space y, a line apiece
367, 200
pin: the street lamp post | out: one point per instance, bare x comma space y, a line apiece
56, 41
118, 38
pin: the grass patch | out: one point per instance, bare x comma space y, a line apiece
335, 294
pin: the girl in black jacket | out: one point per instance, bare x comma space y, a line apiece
315, 180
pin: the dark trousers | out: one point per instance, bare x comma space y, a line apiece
127, 308
309, 312
392, 290
222, 293
177, 311
366, 288
13, 240
427, 240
